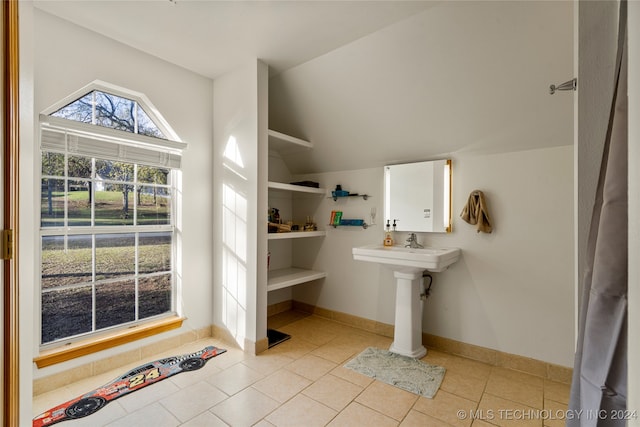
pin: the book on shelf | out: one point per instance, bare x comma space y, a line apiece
337, 218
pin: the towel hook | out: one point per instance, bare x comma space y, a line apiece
570, 85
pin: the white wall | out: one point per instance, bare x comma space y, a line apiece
239, 195
478, 96
511, 291
67, 58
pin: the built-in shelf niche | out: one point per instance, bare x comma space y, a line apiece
290, 276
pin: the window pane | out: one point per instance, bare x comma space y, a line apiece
114, 204
153, 175
146, 126
115, 303
154, 205
79, 203
65, 313
154, 252
53, 164
79, 167
115, 112
79, 110
52, 203
70, 267
114, 171
154, 295
115, 255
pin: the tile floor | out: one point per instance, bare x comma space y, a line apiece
302, 382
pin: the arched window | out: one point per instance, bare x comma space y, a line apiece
109, 163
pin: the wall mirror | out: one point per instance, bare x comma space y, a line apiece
417, 196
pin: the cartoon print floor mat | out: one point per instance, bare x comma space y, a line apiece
135, 379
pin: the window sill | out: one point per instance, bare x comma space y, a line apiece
94, 345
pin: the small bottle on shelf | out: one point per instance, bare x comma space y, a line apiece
388, 240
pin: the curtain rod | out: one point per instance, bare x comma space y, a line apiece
569, 85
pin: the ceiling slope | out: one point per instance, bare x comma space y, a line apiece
214, 37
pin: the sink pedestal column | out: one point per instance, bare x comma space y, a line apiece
407, 334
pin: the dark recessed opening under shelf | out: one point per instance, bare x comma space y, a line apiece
276, 337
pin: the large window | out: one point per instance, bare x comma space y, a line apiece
107, 228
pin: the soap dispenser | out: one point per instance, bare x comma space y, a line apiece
388, 240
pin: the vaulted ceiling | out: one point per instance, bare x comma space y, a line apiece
214, 37
371, 82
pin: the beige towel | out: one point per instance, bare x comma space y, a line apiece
475, 212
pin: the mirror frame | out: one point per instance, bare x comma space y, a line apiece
447, 199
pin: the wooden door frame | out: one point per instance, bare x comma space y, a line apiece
10, 151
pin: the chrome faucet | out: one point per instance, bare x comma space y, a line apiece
413, 242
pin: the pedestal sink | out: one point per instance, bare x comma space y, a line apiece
408, 265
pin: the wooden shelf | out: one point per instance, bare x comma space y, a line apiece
286, 277
296, 235
296, 188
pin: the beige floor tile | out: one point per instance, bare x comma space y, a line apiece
192, 401
418, 419
387, 399
153, 415
311, 367
480, 423
228, 358
324, 324
302, 381
235, 378
294, 348
301, 411
245, 408
307, 331
266, 362
555, 413
332, 391
515, 386
506, 413
382, 342
435, 357
469, 367
282, 385
359, 415
337, 352
445, 407
558, 392
263, 423
285, 318
206, 419
463, 385
517, 376
358, 338
352, 376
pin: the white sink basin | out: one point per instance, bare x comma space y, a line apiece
399, 257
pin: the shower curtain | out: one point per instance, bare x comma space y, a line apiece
599, 386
